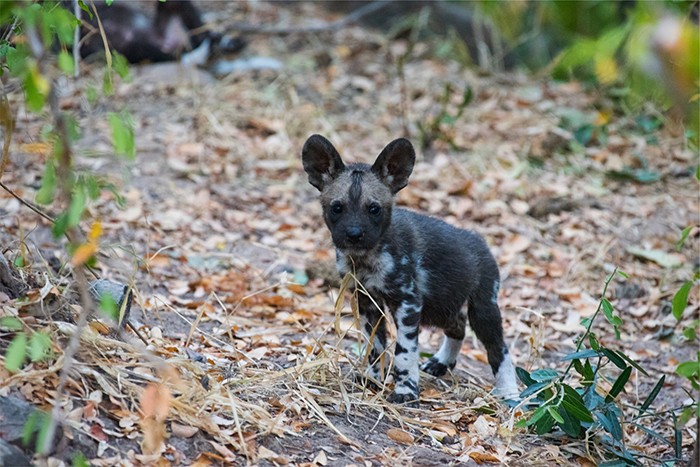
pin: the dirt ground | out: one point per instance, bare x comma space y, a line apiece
222, 240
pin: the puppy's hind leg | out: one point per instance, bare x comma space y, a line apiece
485, 320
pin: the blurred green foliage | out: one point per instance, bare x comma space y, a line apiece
640, 51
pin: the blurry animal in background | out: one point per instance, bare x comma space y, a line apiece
177, 31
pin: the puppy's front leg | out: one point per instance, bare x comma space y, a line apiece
407, 318
373, 327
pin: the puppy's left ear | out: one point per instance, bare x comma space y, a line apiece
395, 164
321, 161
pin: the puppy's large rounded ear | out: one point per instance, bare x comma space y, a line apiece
395, 164
321, 161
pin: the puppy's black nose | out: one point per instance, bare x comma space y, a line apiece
353, 233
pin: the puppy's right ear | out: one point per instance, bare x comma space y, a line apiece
321, 161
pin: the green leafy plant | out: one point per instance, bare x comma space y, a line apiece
34, 50
636, 52
582, 400
26, 343
689, 369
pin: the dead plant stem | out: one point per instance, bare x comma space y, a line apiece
68, 358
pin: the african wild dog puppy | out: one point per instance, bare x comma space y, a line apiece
421, 269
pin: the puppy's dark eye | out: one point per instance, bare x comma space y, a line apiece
374, 209
337, 208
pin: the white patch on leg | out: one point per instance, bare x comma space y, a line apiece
496, 287
406, 363
449, 350
506, 384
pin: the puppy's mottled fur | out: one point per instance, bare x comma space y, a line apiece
420, 268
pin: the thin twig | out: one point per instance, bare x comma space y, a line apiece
68, 358
27, 203
77, 11
8, 125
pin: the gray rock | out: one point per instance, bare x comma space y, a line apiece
14, 413
12, 456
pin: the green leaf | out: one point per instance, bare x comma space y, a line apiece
552, 411
120, 64
544, 374
608, 310
122, 134
18, 60
615, 358
652, 395
44, 424
595, 345
680, 300
659, 257
30, 426
690, 333
36, 88
60, 226
570, 425
686, 415
608, 420
48, 184
76, 208
588, 353
635, 175
16, 352
107, 82
623, 274
684, 236
109, 306
84, 7
632, 362
584, 134
544, 425
524, 376
574, 405
79, 460
66, 63
685, 369
588, 374
537, 414
39, 346
10, 323
534, 388
619, 384
91, 94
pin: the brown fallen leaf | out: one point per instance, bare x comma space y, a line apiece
155, 403
228, 455
400, 436
183, 431
265, 453
481, 457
